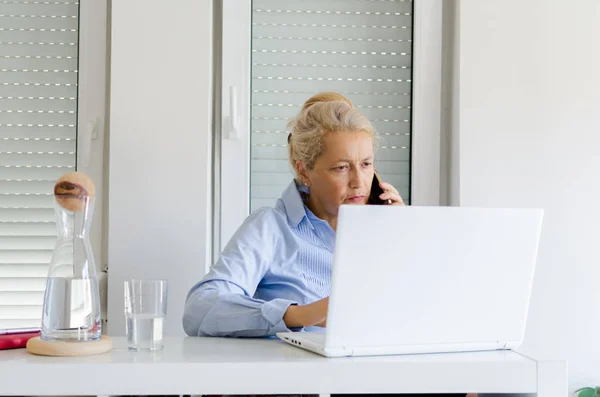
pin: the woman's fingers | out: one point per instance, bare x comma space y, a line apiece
387, 187
395, 198
390, 193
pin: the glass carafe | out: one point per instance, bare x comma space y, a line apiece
72, 302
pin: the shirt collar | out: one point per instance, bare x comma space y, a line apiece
294, 205
293, 201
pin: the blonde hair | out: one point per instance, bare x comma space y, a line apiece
322, 114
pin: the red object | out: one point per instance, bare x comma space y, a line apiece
16, 341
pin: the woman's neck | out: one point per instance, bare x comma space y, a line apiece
316, 208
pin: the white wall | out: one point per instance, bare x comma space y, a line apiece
529, 136
160, 149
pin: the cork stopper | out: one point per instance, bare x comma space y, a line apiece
72, 190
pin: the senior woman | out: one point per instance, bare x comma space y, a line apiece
274, 274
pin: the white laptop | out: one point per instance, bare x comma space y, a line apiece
427, 280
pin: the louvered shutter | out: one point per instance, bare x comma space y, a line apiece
38, 117
360, 48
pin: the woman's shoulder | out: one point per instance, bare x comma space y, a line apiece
264, 227
265, 222
267, 217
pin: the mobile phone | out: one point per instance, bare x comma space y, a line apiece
376, 190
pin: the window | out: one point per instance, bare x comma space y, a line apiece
362, 49
52, 67
385, 55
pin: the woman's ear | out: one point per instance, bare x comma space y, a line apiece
302, 173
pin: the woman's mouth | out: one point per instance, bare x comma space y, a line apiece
356, 199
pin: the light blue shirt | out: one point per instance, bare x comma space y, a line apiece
279, 256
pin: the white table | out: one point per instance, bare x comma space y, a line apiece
268, 366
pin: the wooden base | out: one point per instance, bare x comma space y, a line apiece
69, 349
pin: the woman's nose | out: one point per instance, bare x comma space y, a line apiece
355, 180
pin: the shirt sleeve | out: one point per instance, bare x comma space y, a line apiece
220, 308
221, 304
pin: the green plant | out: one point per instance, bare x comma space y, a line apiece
588, 392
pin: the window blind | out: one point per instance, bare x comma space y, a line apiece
360, 48
38, 129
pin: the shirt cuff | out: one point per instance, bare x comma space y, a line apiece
273, 311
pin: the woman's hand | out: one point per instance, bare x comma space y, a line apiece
390, 193
307, 315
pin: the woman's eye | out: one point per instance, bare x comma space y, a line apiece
341, 168
367, 164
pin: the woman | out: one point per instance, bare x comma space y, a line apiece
274, 275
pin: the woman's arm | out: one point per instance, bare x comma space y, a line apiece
222, 304
220, 308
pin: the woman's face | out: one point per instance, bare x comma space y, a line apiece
343, 174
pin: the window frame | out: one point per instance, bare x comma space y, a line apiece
232, 153
92, 100
426, 103
91, 109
